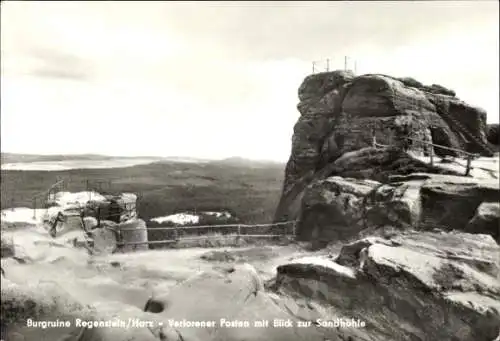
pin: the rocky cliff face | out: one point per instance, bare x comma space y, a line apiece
341, 117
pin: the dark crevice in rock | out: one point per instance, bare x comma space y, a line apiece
154, 306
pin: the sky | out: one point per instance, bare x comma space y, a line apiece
217, 79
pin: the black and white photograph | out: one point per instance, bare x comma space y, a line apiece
250, 171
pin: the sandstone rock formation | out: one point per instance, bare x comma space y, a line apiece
486, 220
411, 286
338, 208
339, 111
342, 115
493, 134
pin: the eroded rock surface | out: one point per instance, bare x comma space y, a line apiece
486, 220
447, 281
235, 294
47, 302
411, 286
339, 208
378, 164
212, 305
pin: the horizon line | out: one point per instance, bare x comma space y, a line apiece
2, 153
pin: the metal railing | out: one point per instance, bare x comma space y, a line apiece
459, 126
239, 230
97, 185
41, 200
468, 156
50, 194
453, 122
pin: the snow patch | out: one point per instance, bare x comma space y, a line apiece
327, 263
19, 215
188, 218
66, 199
218, 214
178, 218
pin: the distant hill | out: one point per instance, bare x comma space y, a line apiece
232, 161
185, 159
27, 158
237, 161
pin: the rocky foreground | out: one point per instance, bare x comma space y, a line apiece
397, 286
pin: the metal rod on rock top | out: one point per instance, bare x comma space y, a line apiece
345, 63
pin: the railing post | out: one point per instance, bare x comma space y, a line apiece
176, 234
468, 167
34, 208
99, 215
431, 154
238, 237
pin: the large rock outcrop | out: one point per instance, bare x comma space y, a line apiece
410, 286
339, 111
373, 127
